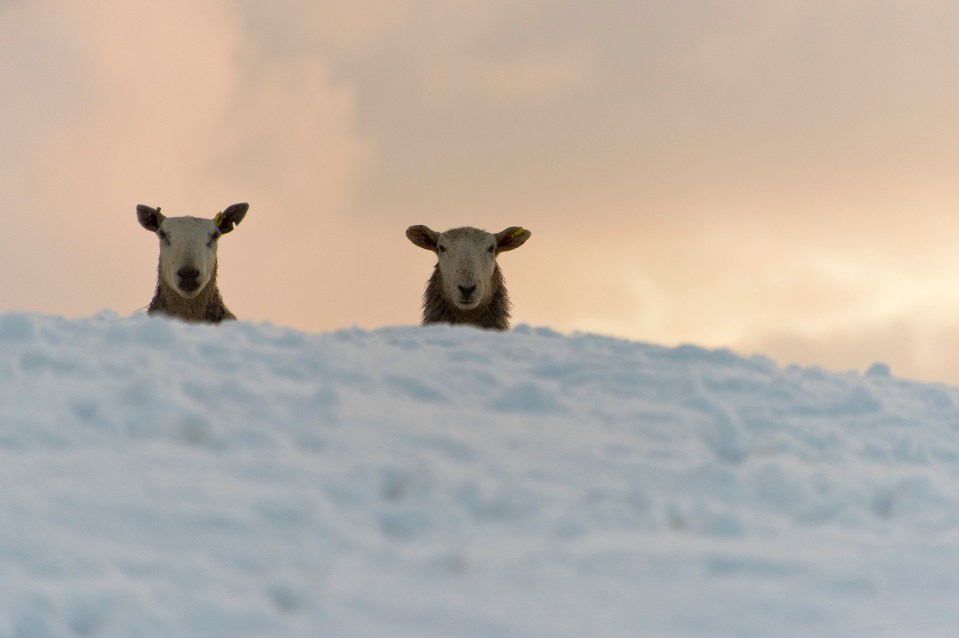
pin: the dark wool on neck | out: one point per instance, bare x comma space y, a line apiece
493, 314
206, 307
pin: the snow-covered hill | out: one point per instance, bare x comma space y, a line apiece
159, 479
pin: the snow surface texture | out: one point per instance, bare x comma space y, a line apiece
159, 479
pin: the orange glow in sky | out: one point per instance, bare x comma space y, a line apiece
772, 177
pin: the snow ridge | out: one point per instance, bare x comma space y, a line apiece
161, 479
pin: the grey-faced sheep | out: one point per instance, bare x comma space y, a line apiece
186, 273
467, 285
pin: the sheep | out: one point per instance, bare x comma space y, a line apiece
186, 272
467, 285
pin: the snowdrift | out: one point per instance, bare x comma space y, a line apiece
160, 479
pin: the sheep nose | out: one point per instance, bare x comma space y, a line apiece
467, 291
188, 273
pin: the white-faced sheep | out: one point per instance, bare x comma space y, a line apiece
467, 285
186, 273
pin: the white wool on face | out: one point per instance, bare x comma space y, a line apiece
187, 242
467, 257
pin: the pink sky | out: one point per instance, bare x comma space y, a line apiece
773, 177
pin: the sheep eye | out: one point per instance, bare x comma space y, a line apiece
213, 237
491, 249
163, 236
442, 249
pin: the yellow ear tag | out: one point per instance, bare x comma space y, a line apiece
218, 219
517, 233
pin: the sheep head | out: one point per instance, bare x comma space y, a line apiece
466, 258
188, 245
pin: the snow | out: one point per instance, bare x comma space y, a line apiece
160, 479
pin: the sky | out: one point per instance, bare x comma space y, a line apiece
775, 177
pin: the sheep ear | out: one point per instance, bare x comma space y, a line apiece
423, 236
231, 216
149, 218
512, 237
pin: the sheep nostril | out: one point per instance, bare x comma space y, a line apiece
467, 291
188, 274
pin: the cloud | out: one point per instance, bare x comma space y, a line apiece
916, 345
774, 175
528, 76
